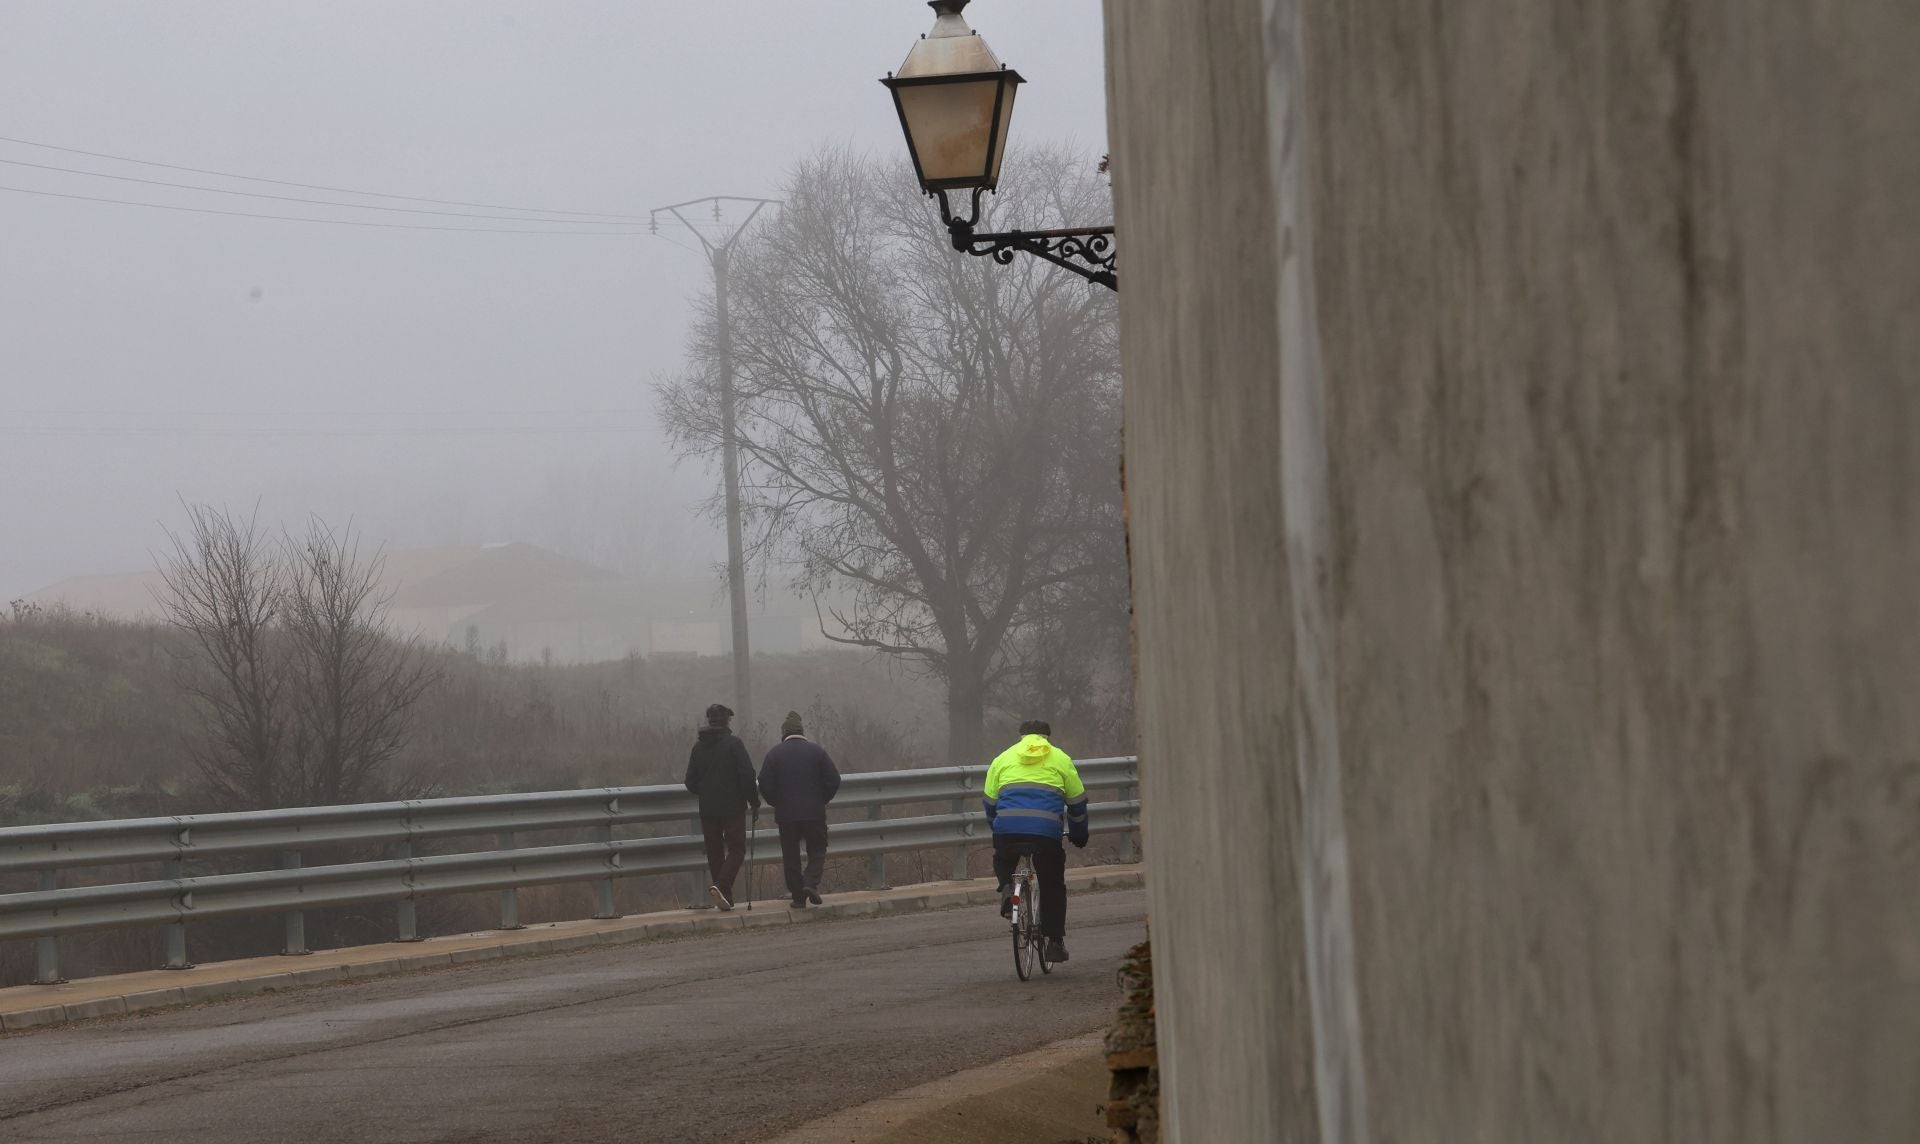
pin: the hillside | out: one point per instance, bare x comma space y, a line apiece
93, 722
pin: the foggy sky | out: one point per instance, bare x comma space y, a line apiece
435, 387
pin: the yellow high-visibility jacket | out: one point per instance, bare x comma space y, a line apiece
1032, 788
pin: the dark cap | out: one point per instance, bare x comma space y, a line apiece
718, 713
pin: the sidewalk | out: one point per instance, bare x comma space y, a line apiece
1055, 1093
27, 1006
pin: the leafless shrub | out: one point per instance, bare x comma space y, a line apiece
304, 695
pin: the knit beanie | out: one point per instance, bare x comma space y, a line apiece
791, 725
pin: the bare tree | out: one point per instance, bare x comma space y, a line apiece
1073, 663
355, 683
305, 696
932, 434
223, 589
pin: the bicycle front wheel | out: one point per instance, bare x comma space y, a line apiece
1038, 940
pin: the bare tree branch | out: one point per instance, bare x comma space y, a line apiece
357, 681
223, 588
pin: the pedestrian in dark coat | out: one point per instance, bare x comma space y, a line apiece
799, 779
720, 772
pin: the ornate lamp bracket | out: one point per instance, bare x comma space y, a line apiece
1066, 247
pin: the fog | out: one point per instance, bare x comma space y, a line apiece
435, 387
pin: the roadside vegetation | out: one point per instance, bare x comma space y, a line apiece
95, 724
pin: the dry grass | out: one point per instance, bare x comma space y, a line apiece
94, 705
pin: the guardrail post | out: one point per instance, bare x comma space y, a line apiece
509, 897
176, 931
405, 923
605, 885
296, 921
46, 961
960, 849
877, 864
1126, 836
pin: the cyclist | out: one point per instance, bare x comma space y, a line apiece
1031, 793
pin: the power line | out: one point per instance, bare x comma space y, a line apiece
318, 186
298, 199
673, 242
297, 431
259, 411
323, 221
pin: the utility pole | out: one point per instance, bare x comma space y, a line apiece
718, 253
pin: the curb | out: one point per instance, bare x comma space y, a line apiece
34, 1006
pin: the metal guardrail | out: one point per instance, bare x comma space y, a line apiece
176, 898
182, 837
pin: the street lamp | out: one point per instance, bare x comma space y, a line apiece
955, 100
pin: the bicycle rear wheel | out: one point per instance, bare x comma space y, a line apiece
1026, 932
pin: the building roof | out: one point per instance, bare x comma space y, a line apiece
485, 574
122, 595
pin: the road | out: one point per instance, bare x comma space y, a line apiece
728, 1037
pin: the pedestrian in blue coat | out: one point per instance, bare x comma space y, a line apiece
798, 779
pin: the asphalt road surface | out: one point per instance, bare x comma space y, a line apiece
727, 1037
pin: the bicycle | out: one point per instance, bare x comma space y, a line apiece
1028, 944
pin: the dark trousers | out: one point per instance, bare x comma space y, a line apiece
814, 834
726, 837
1049, 865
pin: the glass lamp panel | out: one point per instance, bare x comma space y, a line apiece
1000, 135
950, 124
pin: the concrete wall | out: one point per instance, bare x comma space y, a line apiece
1592, 694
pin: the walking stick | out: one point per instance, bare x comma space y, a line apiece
751, 832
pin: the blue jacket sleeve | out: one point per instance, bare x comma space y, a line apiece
769, 779
829, 777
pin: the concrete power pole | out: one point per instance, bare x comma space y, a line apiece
730, 461
719, 249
